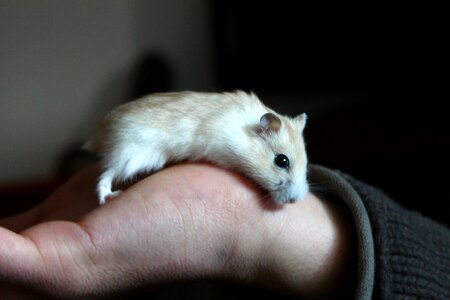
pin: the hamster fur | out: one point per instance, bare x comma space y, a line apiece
234, 130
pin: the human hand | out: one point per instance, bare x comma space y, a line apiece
186, 222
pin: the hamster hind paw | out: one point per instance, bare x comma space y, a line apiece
109, 196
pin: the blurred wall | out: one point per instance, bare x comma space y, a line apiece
63, 64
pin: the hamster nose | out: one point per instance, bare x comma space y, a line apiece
297, 193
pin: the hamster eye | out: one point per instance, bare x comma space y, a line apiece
282, 161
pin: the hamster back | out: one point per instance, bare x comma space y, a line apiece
233, 130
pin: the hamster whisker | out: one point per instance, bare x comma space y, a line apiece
314, 184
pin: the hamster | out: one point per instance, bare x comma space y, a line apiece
233, 130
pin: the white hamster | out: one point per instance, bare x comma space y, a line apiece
234, 130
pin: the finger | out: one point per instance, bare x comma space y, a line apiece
53, 257
19, 257
73, 199
69, 202
19, 222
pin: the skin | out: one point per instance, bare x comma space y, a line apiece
186, 222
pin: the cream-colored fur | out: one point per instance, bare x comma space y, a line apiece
223, 128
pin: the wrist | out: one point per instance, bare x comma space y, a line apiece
304, 249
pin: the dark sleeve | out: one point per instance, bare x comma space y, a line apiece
408, 255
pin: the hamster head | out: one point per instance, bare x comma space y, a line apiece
279, 159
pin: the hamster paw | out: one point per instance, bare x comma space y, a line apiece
109, 196
114, 194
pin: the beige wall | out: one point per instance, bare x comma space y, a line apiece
63, 64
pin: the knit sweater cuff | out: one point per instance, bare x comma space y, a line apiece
411, 252
365, 253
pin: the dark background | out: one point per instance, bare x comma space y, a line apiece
374, 77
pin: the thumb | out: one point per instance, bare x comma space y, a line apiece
19, 257
51, 257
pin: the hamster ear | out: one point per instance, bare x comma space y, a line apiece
301, 120
270, 123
